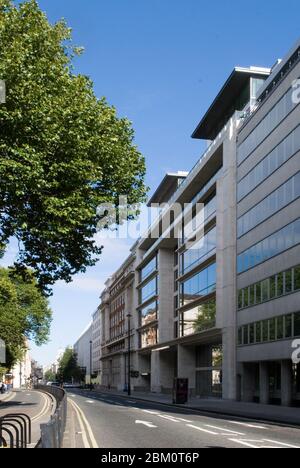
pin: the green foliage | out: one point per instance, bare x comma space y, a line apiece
24, 313
50, 376
63, 152
68, 367
206, 317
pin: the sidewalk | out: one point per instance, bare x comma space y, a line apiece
267, 413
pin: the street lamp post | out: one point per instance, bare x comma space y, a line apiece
91, 347
129, 356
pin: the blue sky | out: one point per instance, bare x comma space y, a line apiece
160, 63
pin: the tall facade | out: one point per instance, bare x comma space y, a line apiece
268, 245
96, 346
217, 302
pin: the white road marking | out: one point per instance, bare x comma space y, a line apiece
281, 443
245, 443
253, 426
224, 430
185, 420
89, 401
150, 412
169, 418
147, 424
201, 429
133, 402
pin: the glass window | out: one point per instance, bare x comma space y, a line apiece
199, 318
271, 246
201, 284
297, 278
149, 290
258, 293
200, 251
246, 297
284, 151
272, 329
251, 333
280, 328
272, 287
148, 269
149, 313
240, 300
149, 337
297, 324
288, 282
240, 336
288, 326
252, 295
280, 284
265, 290
246, 335
258, 332
265, 330
266, 126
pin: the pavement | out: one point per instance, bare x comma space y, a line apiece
105, 420
268, 413
37, 405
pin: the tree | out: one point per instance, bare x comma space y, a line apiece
68, 367
50, 376
206, 317
24, 314
63, 152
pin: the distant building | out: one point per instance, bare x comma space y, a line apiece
96, 347
83, 350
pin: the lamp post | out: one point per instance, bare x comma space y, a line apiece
129, 356
91, 348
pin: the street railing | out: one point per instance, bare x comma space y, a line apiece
15, 431
52, 433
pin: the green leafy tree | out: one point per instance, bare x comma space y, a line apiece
68, 367
50, 376
63, 152
24, 314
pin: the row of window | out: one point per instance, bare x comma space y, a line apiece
279, 112
281, 197
199, 252
149, 290
149, 313
273, 245
207, 186
274, 329
276, 286
273, 161
148, 269
199, 285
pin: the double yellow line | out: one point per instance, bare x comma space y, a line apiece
88, 437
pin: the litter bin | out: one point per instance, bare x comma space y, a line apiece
180, 391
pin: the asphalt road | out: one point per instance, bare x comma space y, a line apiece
114, 422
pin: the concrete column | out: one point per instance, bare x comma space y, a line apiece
187, 366
264, 383
286, 383
248, 383
155, 373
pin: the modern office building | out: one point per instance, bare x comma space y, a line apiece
268, 245
217, 301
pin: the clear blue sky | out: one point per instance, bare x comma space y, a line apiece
160, 63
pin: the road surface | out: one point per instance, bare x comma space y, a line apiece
107, 421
